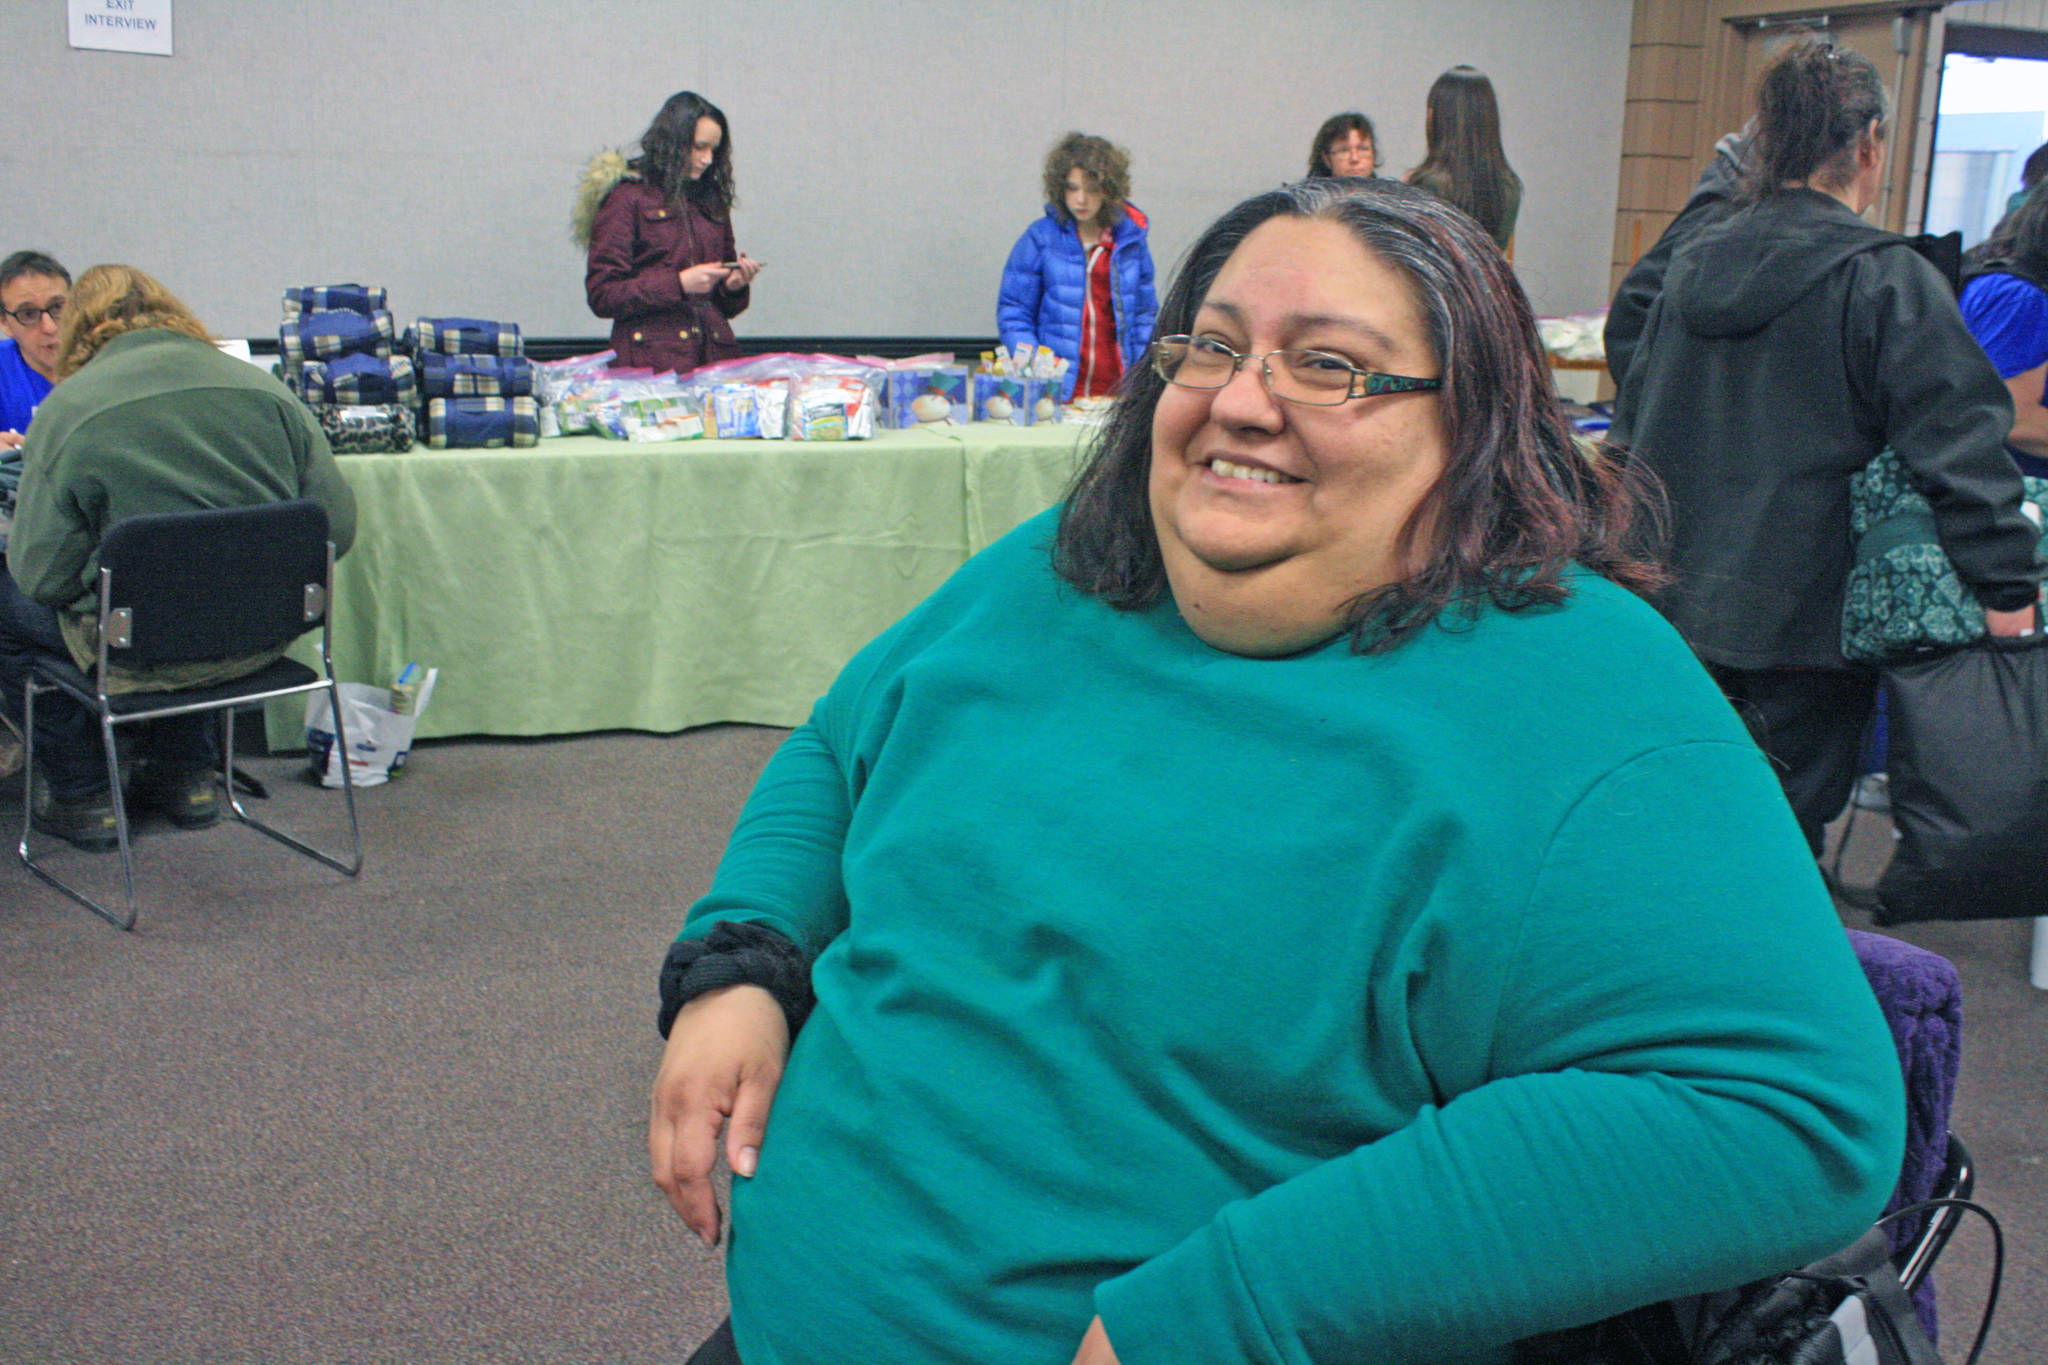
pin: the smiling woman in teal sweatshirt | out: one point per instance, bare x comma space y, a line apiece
1180, 1001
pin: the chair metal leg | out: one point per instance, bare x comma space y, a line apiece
28, 769
350, 866
348, 791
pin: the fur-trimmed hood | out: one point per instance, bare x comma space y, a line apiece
605, 171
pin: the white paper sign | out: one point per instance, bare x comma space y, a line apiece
122, 25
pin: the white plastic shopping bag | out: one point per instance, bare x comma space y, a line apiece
378, 737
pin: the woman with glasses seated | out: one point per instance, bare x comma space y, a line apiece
1291, 902
1079, 281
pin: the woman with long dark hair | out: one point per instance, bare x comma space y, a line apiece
1293, 902
662, 265
1466, 164
2005, 303
1784, 346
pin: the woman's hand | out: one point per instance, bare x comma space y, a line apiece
2009, 624
723, 1063
702, 279
742, 274
1095, 1347
9, 440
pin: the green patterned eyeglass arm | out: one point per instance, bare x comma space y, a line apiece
1377, 383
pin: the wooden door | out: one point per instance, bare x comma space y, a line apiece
1896, 40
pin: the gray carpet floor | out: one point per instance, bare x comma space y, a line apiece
297, 1118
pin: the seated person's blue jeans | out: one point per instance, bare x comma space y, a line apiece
68, 751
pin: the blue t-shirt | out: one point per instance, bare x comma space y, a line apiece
21, 388
2009, 318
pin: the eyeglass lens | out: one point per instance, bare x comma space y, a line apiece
28, 315
1301, 376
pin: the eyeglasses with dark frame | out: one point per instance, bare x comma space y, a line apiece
28, 315
1316, 378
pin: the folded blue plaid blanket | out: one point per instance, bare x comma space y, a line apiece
1903, 593
367, 429
314, 298
358, 379
332, 333
475, 376
489, 422
463, 336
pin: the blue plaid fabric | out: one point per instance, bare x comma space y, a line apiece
358, 429
492, 422
464, 336
475, 376
314, 298
332, 333
358, 379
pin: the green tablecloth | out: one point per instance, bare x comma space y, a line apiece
593, 585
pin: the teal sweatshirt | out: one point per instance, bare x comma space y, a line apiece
1328, 1008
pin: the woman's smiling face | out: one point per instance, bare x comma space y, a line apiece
1272, 515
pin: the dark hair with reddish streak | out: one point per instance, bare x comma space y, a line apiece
1466, 163
1334, 129
1099, 157
1814, 103
664, 160
1521, 498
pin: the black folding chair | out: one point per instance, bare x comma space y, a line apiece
190, 586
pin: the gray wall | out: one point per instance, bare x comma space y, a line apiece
887, 152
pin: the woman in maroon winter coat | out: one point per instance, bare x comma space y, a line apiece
663, 265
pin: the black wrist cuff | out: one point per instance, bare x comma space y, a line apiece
736, 954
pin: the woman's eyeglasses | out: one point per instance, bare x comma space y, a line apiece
1314, 377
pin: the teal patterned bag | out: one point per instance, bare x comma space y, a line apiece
1903, 594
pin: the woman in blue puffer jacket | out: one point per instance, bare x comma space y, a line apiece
1079, 281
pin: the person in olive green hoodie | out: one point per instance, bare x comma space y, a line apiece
148, 416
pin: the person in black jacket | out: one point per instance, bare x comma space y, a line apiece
1786, 343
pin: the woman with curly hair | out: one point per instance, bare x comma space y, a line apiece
148, 416
663, 266
1079, 281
